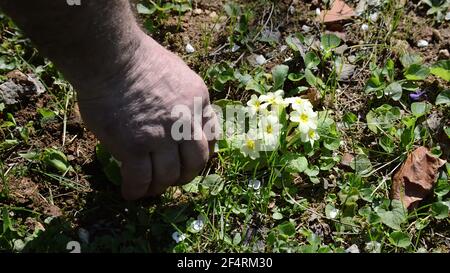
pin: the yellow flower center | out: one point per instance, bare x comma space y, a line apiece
312, 134
304, 117
250, 144
269, 129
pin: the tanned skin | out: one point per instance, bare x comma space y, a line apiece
127, 85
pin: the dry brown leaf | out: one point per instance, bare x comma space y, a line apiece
339, 11
415, 179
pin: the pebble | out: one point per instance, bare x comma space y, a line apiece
444, 54
318, 11
352, 249
374, 17
197, 11
447, 16
190, 49
365, 27
235, 48
213, 14
422, 43
306, 28
260, 60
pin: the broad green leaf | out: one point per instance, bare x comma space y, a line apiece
294, 163
279, 74
409, 59
400, 239
193, 186
440, 210
141, 9
56, 159
311, 60
287, 229
393, 218
387, 143
394, 90
330, 41
420, 109
361, 164
417, 72
443, 97
442, 69
214, 183
295, 77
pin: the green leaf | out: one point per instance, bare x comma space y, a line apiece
214, 183
111, 167
400, 239
30, 155
193, 186
361, 164
287, 229
255, 86
330, 41
294, 163
393, 218
311, 60
46, 115
277, 216
279, 74
440, 210
442, 69
56, 159
394, 90
409, 59
443, 97
296, 77
350, 119
420, 109
141, 9
442, 187
387, 143
417, 72
237, 239
312, 171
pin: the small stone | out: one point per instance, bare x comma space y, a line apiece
291, 10
351, 59
352, 249
447, 16
260, 60
365, 27
374, 17
213, 14
190, 49
235, 48
318, 11
444, 54
422, 43
306, 28
197, 11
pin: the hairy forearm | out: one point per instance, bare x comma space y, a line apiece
91, 42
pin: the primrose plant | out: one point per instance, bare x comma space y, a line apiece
266, 121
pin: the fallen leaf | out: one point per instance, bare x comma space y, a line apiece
338, 12
313, 95
347, 160
415, 179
